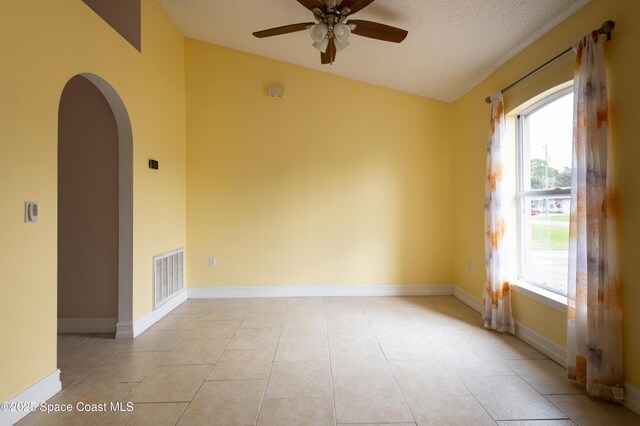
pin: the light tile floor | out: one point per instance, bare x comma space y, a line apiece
320, 361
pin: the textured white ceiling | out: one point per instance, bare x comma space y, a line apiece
452, 44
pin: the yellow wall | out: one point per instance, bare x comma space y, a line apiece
469, 141
338, 182
44, 44
541, 318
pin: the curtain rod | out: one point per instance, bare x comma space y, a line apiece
606, 28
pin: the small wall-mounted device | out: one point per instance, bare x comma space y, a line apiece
153, 164
276, 90
30, 211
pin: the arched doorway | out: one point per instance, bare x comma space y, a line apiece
95, 197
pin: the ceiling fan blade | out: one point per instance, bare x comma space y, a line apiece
378, 31
310, 4
355, 5
330, 56
283, 30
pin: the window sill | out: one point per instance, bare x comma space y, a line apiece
541, 295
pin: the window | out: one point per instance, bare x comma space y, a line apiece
545, 133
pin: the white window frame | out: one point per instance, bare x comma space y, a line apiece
522, 194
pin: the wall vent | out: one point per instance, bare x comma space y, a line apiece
168, 276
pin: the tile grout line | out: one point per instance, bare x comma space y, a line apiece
469, 390
394, 374
477, 400
539, 393
205, 378
92, 367
333, 391
559, 409
498, 375
395, 379
264, 393
466, 387
214, 364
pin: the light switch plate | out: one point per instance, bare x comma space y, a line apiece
30, 211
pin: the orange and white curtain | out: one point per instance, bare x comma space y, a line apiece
497, 298
594, 291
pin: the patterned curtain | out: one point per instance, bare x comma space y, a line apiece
594, 292
497, 298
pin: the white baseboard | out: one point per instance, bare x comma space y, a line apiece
541, 343
320, 291
124, 330
129, 330
469, 300
40, 392
526, 334
86, 325
632, 398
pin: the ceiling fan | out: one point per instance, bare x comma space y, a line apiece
331, 30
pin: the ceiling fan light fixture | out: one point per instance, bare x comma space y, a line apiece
319, 32
322, 45
342, 32
340, 45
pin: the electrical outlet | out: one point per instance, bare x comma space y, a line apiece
469, 266
212, 261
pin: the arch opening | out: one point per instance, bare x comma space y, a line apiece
95, 209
